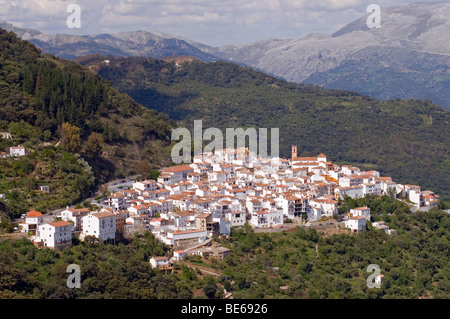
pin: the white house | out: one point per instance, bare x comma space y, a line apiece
17, 151
74, 215
327, 207
165, 179
165, 206
32, 221
116, 200
293, 206
414, 195
315, 214
352, 180
217, 177
267, 218
193, 177
157, 222
253, 205
179, 255
153, 208
361, 211
55, 235
100, 225
371, 189
173, 237
236, 218
177, 173
138, 209
145, 186
183, 218
356, 224
381, 225
162, 263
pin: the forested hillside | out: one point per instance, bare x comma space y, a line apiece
406, 139
301, 264
78, 130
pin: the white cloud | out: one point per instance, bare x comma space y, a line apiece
210, 21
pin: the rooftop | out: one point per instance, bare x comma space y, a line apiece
60, 223
34, 213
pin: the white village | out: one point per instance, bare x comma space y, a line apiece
190, 204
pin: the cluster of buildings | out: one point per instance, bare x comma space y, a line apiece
228, 188
73, 223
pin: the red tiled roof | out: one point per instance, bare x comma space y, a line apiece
60, 223
34, 213
180, 168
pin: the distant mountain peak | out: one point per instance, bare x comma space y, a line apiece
408, 20
25, 34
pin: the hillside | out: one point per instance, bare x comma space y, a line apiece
408, 140
303, 264
71, 121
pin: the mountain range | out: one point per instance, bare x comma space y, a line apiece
407, 58
137, 43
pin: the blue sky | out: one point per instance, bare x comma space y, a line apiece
213, 22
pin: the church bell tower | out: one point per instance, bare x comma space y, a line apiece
294, 150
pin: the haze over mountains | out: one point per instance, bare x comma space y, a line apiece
408, 57
137, 43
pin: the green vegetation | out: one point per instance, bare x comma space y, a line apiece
69, 176
383, 205
415, 263
407, 140
102, 134
76, 125
107, 271
300, 264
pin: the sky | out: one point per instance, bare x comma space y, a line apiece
212, 22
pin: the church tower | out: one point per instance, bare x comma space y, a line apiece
294, 150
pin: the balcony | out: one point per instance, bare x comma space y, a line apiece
165, 268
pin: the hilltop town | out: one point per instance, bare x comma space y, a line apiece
190, 204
